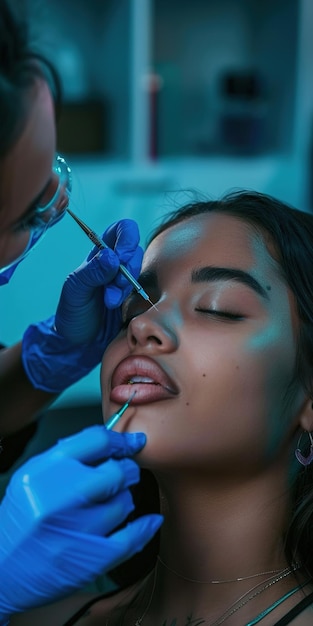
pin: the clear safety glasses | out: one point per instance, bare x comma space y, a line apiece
55, 198
49, 210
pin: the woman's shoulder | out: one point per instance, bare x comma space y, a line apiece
92, 608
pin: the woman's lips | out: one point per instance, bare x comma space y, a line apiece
144, 376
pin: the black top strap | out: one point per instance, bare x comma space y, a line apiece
303, 604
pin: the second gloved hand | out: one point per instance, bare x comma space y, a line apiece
58, 517
59, 351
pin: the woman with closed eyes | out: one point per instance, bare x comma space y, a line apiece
222, 367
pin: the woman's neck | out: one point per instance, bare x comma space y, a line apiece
221, 532
218, 532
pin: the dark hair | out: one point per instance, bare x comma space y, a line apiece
20, 66
290, 232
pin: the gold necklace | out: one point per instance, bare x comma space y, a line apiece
243, 599
218, 582
233, 608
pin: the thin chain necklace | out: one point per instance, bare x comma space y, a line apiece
218, 582
242, 600
233, 608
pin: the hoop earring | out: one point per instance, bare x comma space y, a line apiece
305, 460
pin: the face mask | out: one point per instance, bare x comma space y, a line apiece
8, 271
47, 214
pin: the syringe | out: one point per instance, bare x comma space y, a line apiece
116, 416
97, 241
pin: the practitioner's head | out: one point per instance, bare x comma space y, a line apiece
28, 89
223, 368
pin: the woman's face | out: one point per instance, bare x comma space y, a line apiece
25, 173
212, 365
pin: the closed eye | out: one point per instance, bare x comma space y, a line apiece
226, 315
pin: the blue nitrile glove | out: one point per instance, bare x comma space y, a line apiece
58, 514
59, 351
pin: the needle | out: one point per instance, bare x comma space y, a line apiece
97, 241
116, 416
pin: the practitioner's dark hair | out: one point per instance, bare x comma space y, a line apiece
20, 66
288, 233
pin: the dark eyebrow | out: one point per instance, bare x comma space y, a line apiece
212, 274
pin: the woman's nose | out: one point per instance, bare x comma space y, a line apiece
153, 330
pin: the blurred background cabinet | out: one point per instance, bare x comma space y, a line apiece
179, 78
166, 100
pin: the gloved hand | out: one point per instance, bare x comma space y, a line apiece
59, 351
58, 514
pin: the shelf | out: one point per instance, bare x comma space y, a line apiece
178, 78
196, 47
